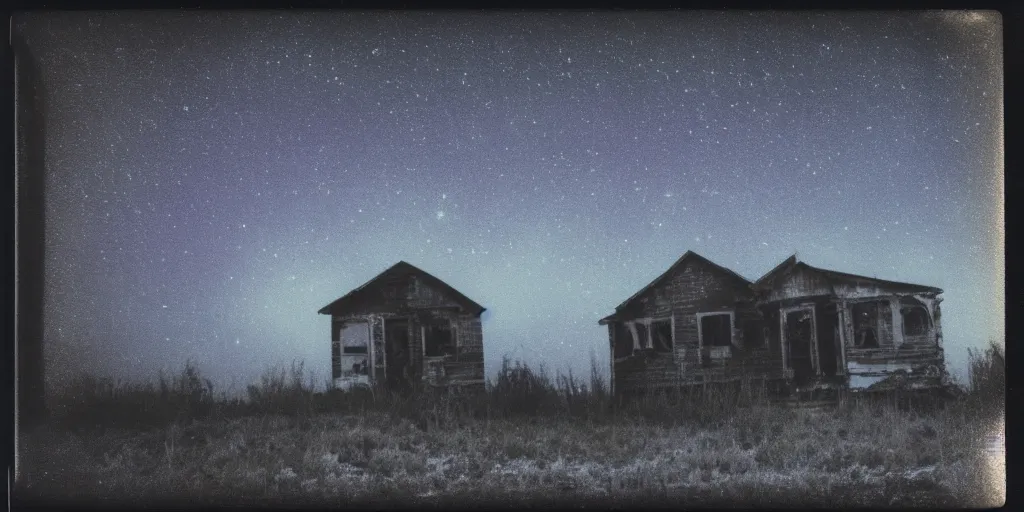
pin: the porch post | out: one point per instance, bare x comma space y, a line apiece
815, 348
611, 358
783, 343
841, 319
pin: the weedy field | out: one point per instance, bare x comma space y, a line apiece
526, 440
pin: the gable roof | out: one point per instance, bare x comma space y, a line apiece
403, 267
791, 264
780, 269
682, 261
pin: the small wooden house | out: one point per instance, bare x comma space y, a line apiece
804, 327
403, 329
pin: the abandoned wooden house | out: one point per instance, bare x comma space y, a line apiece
844, 330
404, 329
798, 328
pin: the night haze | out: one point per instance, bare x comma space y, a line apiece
214, 179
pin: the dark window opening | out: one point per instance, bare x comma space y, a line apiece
915, 321
623, 341
716, 330
438, 339
642, 340
865, 325
355, 338
661, 332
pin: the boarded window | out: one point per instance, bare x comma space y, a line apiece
438, 339
623, 341
661, 334
716, 330
865, 324
915, 321
355, 338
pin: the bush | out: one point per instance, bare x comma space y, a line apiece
519, 391
284, 392
987, 377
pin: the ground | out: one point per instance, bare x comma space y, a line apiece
757, 457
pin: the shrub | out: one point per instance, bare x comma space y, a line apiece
987, 377
284, 392
519, 391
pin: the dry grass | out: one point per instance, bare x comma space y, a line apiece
525, 438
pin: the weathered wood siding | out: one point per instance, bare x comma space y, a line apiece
693, 288
797, 285
466, 366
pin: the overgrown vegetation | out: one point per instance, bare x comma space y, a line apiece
987, 377
518, 391
524, 435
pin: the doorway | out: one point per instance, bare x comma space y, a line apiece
397, 357
799, 339
828, 339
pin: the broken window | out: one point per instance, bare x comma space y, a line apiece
623, 341
915, 320
716, 330
355, 338
438, 339
661, 334
865, 324
355, 342
642, 339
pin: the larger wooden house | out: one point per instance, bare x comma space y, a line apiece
405, 329
803, 327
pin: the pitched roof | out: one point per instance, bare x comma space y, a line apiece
402, 266
790, 264
779, 269
687, 256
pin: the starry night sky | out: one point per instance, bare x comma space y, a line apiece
214, 179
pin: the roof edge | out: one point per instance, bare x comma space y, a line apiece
682, 259
932, 289
777, 269
326, 310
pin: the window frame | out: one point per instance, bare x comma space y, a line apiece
648, 342
341, 338
876, 328
904, 309
732, 332
622, 333
453, 328
671, 332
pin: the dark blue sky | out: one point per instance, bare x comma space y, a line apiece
214, 179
